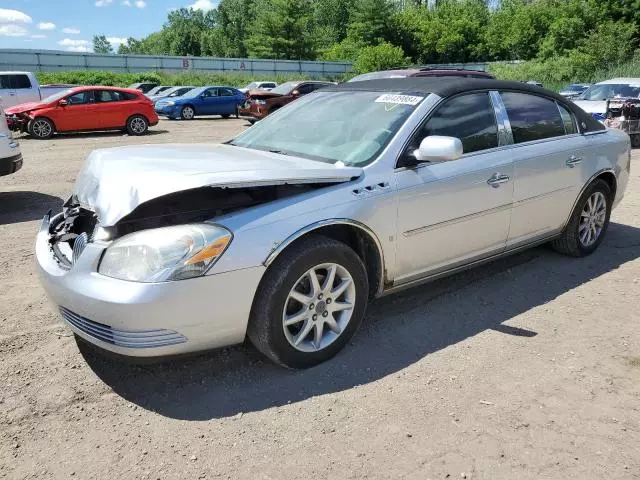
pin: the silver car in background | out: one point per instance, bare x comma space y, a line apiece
284, 233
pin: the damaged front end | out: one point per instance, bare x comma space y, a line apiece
624, 114
19, 122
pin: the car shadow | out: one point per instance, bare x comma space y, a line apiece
398, 331
16, 207
106, 134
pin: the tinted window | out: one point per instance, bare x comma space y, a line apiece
567, 120
470, 118
20, 81
304, 89
4, 81
225, 92
212, 92
108, 96
128, 96
532, 117
268, 85
80, 98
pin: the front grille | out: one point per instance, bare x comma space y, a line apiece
122, 338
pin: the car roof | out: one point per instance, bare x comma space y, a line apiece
101, 87
621, 80
451, 86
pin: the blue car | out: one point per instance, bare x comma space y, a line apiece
222, 101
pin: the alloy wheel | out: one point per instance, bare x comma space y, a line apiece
41, 128
319, 307
138, 125
592, 219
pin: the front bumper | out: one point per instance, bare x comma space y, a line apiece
168, 110
10, 165
252, 111
147, 319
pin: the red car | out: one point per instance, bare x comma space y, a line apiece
85, 108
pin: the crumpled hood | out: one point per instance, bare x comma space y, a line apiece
259, 93
115, 181
592, 106
24, 107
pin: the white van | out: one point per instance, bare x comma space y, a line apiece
10, 156
23, 87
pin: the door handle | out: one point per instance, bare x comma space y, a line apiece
497, 179
573, 161
12, 94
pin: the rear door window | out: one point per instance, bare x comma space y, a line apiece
532, 117
225, 92
471, 118
20, 81
105, 96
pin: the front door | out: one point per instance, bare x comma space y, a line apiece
453, 212
77, 114
209, 102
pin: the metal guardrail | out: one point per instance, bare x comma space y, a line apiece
54, 60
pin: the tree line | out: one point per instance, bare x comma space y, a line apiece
376, 34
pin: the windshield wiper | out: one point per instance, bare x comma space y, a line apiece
280, 152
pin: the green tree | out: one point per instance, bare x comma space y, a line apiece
380, 57
371, 22
283, 31
101, 44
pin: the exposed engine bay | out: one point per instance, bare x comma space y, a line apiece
76, 226
624, 114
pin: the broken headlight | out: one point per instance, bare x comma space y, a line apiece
163, 254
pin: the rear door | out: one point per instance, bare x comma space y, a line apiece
110, 109
25, 90
229, 101
77, 114
548, 153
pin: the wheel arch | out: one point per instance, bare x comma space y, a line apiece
354, 234
55, 128
137, 115
606, 174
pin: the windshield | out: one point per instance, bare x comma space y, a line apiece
349, 127
57, 96
178, 92
285, 88
252, 85
575, 88
610, 90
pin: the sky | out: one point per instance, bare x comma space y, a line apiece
71, 24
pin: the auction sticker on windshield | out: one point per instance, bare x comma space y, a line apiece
399, 99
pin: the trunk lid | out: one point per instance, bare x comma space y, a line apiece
115, 181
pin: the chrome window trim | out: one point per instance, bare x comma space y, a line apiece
277, 250
505, 135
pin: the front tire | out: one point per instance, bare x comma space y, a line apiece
588, 223
226, 115
187, 113
310, 303
41, 128
137, 125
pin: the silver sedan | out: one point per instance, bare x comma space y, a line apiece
284, 233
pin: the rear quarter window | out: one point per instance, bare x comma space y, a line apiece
20, 81
532, 117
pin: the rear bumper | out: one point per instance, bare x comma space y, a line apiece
11, 164
147, 319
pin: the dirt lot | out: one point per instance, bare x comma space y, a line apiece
526, 368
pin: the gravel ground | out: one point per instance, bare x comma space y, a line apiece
526, 368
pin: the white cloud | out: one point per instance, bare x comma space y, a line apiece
115, 41
203, 5
141, 4
46, 26
70, 42
38, 36
13, 31
103, 3
126, 3
14, 16
71, 31
78, 49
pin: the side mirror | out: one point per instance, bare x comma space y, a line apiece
63, 103
295, 93
436, 148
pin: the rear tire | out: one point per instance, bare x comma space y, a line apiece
226, 115
137, 125
588, 223
278, 319
41, 128
635, 140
